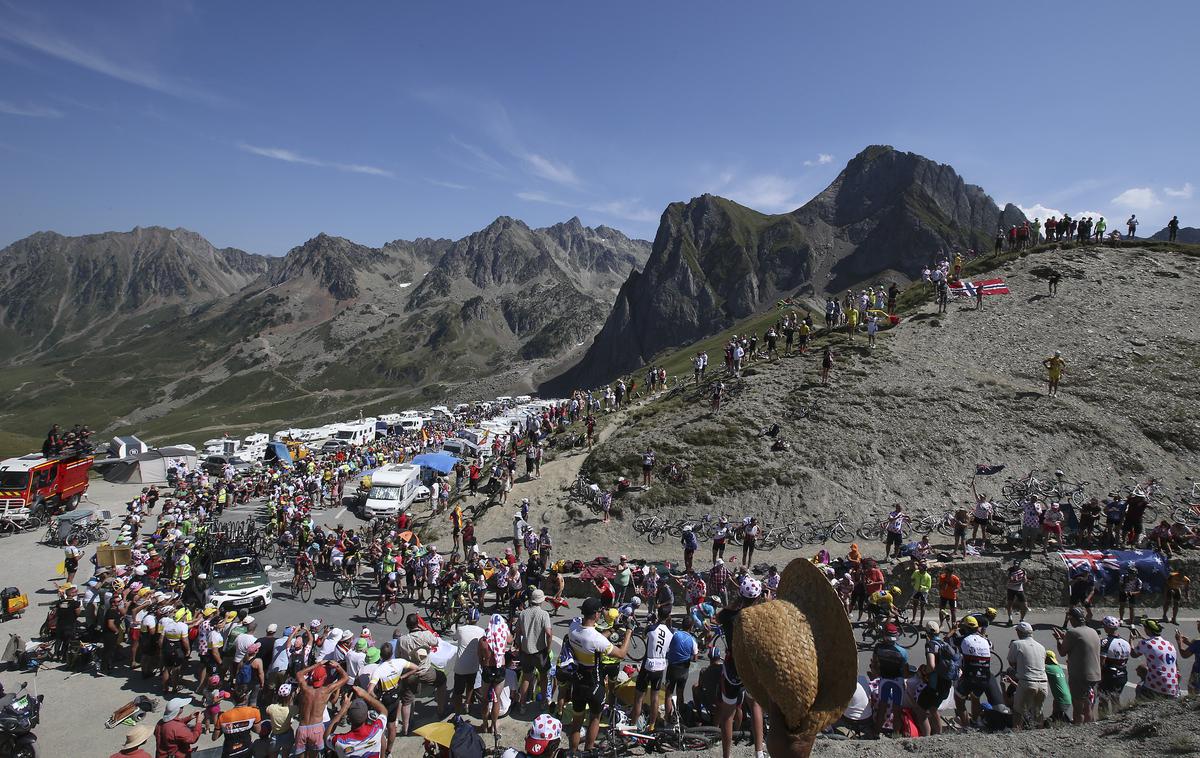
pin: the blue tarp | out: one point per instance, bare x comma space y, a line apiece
443, 462
277, 451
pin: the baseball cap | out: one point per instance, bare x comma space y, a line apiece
544, 730
1024, 627
357, 714
592, 606
891, 630
272, 628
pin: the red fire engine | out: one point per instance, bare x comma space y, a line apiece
58, 481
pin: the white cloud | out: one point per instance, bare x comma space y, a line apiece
628, 210
484, 162
1183, 193
1037, 210
551, 170
33, 111
66, 50
822, 159
765, 192
1089, 214
288, 156
447, 185
1137, 198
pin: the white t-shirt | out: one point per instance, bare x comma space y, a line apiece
467, 660
860, 704
657, 643
242, 644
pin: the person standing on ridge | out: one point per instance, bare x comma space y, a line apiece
1132, 224
1055, 366
1172, 228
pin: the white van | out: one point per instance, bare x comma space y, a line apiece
522, 399
393, 490
466, 449
358, 433
412, 424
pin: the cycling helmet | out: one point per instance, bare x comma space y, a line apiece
707, 610
1059, 472
473, 614
990, 613
896, 590
750, 588
635, 601
1152, 626
1111, 622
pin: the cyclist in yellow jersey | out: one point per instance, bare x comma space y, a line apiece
1055, 366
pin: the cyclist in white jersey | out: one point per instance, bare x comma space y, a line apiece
658, 639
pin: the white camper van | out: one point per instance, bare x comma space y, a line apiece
393, 490
358, 433
466, 449
254, 446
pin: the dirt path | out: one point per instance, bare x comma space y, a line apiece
548, 500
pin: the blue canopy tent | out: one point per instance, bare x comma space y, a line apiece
440, 462
278, 452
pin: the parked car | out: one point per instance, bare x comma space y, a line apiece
214, 465
332, 446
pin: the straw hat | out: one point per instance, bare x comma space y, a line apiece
798, 651
137, 736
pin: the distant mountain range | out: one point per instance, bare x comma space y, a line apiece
156, 330
714, 262
1188, 235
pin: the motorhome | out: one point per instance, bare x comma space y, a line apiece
440, 411
412, 424
504, 401
221, 446
393, 490
522, 399
357, 433
254, 446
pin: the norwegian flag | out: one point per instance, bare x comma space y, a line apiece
965, 288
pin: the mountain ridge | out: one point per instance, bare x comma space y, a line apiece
715, 261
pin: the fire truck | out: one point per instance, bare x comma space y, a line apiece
34, 481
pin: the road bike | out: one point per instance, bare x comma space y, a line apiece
303, 586
384, 610
346, 588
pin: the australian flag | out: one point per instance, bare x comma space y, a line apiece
1108, 566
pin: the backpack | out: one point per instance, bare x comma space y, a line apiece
245, 673
466, 742
947, 660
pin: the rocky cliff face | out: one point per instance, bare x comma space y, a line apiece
714, 261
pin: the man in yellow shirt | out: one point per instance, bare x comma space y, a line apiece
922, 582
851, 322
1055, 366
803, 330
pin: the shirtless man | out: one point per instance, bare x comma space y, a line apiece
314, 697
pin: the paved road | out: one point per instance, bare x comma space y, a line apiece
77, 706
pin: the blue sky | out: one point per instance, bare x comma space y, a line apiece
261, 124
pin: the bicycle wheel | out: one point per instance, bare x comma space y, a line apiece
102, 534
871, 532
768, 541
841, 534
694, 743
791, 541
656, 537
946, 528
637, 647
305, 589
371, 610
30, 523
353, 594
642, 523
339, 590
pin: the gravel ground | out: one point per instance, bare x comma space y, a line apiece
909, 420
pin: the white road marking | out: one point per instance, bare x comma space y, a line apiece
340, 513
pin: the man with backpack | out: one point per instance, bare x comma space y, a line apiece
690, 544
890, 660
944, 663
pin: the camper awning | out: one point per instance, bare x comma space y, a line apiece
443, 462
